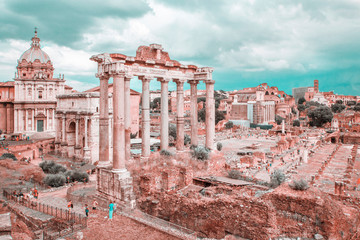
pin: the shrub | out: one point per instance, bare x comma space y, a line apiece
165, 153
52, 167
187, 139
192, 147
276, 178
80, 176
200, 153
229, 125
296, 123
219, 146
55, 180
7, 156
300, 185
57, 168
172, 131
234, 174
133, 135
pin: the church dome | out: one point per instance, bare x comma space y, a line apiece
35, 52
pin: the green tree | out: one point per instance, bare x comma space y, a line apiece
155, 103
296, 123
351, 103
357, 107
339, 101
219, 115
278, 119
320, 115
229, 125
337, 108
301, 100
301, 108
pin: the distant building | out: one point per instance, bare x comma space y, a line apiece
35, 91
7, 107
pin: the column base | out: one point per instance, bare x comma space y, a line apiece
121, 173
116, 185
104, 164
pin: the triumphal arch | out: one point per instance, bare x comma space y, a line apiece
150, 63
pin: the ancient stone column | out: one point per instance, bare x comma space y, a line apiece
145, 112
193, 111
8, 120
127, 118
86, 132
179, 114
164, 126
26, 117
104, 122
33, 120
77, 131
210, 114
16, 120
119, 121
63, 139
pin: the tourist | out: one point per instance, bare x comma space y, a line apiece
95, 203
86, 210
36, 194
70, 205
111, 210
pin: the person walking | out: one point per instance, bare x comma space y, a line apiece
95, 204
36, 194
86, 210
111, 210
70, 205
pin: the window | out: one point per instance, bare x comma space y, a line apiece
40, 94
24, 74
73, 103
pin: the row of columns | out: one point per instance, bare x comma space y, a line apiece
122, 117
22, 125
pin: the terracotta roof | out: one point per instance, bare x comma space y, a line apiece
7, 84
97, 89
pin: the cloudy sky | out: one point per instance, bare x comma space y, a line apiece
284, 43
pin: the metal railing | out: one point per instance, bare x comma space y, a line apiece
72, 218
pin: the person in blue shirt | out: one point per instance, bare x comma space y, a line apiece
111, 210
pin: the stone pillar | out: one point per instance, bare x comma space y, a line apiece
86, 148
193, 111
104, 122
77, 120
179, 114
86, 132
127, 118
283, 126
119, 121
145, 118
8, 119
47, 119
16, 120
210, 114
63, 139
33, 120
164, 126
26, 120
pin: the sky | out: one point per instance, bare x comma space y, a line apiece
284, 43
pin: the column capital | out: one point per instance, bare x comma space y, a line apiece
128, 77
178, 81
163, 80
116, 73
102, 76
193, 81
146, 78
209, 81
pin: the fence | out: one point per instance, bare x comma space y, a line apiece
72, 218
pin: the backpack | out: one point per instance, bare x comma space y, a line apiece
72, 206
